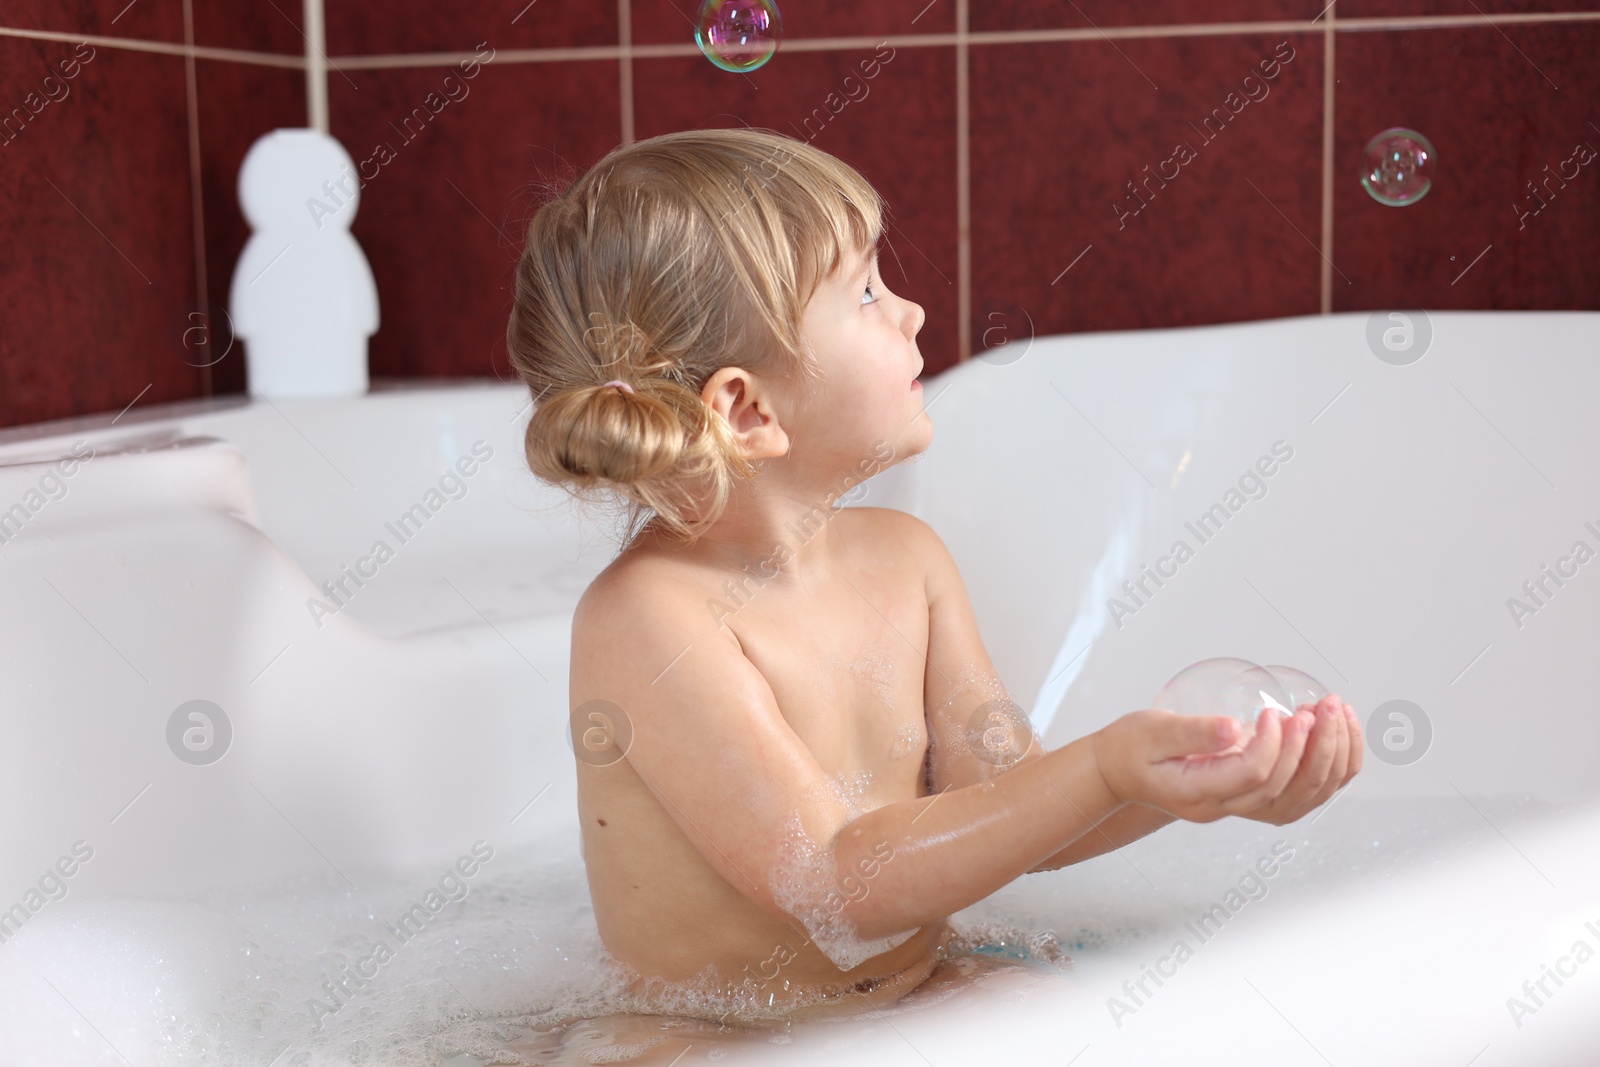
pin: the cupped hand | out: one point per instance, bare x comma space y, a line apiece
1328, 758
1192, 767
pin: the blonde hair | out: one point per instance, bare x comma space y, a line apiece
668, 260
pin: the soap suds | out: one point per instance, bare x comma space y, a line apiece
908, 740
218, 980
979, 717
851, 790
805, 883
874, 670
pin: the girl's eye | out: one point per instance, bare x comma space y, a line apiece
868, 292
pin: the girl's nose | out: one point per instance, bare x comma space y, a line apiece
918, 317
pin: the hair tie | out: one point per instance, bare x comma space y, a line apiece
624, 385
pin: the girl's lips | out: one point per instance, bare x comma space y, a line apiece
915, 384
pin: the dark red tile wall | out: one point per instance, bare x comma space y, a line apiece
1227, 235
674, 21
441, 220
158, 20
1476, 11
358, 27
1000, 16
249, 25
1493, 135
108, 267
98, 262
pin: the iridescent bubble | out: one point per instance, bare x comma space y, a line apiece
1225, 686
1397, 167
1301, 687
739, 35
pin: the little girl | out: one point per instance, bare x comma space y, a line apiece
785, 719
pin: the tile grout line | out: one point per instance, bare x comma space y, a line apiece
963, 190
197, 210
1448, 22
1329, 80
625, 67
166, 48
821, 44
316, 35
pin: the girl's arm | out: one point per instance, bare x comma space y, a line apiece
960, 679
1127, 824
1063, 786
708, 739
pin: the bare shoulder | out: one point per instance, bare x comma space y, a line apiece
893, 524
889, 520
638, 592
904, 532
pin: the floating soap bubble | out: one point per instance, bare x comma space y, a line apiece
1397, 167
1301, 687
738, 35
1225, 686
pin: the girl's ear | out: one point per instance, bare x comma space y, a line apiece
746, 404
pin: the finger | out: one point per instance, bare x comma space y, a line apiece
1320, 781
1209, 777
1268, 736
1185, 735
1296, 735
1302, 783
1358, 744
1245, 778
1341, 762
1285, 797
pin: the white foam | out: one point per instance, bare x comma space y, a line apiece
972, 688
239, 977
805, 883
227, 979
851, 790
907, 740
874, 670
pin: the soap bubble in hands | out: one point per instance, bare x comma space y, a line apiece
1223, 686
1301, 687
1239, 689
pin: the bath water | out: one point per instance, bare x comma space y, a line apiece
513, 970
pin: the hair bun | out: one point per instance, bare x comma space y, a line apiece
581, 435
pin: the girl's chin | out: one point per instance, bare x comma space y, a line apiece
917, 438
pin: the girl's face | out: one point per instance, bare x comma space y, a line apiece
864, 340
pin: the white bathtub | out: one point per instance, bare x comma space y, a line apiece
428, 712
